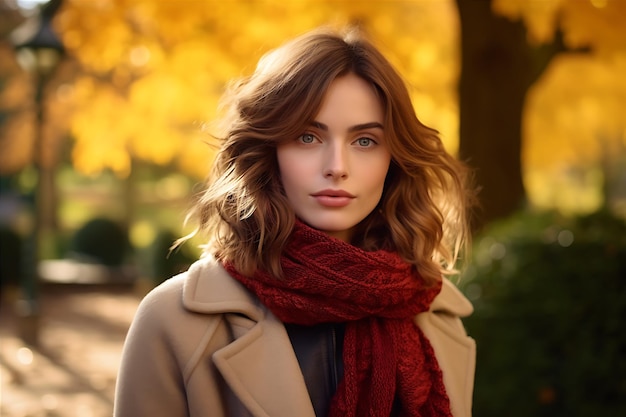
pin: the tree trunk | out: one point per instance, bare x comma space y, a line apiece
497, 69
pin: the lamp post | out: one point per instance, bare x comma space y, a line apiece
38, 51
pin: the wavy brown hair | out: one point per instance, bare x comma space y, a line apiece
422, 214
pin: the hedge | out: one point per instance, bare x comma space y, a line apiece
550, 316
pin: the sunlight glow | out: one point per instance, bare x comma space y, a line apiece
30, 4
599, 4
25, 356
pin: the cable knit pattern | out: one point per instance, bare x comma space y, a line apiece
377, 294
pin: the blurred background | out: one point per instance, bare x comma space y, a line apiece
105, 118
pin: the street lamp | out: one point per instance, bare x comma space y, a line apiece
38, 51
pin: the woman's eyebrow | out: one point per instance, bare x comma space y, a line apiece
355, 128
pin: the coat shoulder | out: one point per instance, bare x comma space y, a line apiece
454, 349
165, 346
195, 297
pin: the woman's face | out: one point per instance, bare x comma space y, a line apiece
334, 172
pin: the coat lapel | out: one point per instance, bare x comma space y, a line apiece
260, 365
261, 368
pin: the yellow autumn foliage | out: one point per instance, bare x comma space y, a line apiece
584, 23
154, 70
574, 124
575, 112
152, 73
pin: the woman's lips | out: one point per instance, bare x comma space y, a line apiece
333, 198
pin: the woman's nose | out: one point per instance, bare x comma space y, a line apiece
336, 162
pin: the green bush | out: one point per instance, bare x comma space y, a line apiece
164, 263
549, 322
102, 241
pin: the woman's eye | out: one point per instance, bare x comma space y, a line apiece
365, 142
307, 138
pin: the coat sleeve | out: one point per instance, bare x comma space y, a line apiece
150, 381
167, 368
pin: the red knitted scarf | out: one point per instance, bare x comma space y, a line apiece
377, 295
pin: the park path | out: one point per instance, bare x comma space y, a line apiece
73, 370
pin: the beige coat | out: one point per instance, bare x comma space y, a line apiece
201, 345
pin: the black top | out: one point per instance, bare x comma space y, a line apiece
319, 351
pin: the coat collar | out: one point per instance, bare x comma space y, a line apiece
210, 289
450, 300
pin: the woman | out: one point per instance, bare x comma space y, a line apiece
332, 213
